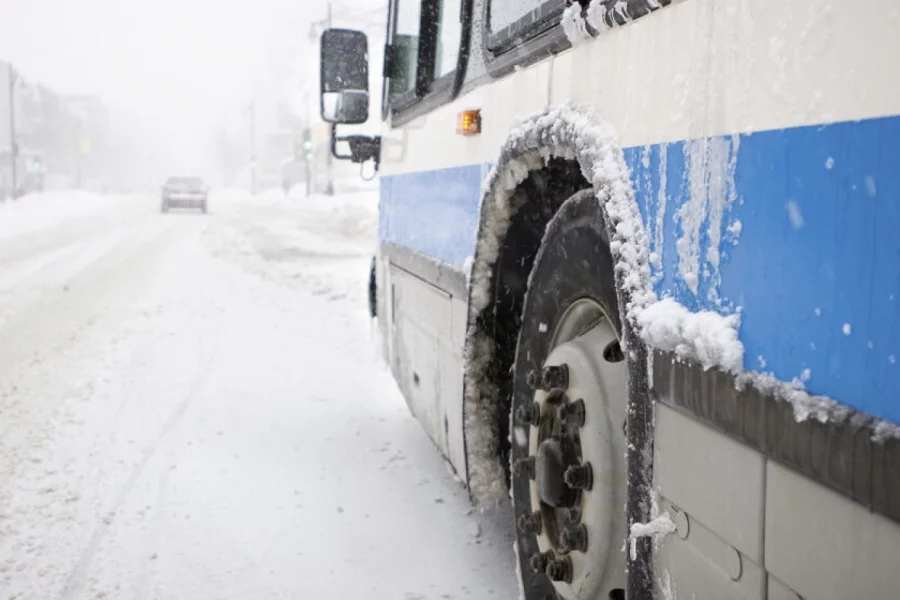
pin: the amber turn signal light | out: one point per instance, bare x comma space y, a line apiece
468, 122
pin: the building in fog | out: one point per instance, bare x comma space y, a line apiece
59, 141
6, 95
91, 142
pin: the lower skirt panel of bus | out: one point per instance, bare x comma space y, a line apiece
765, 506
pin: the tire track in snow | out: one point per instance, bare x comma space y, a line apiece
50, 326
143, 576
76, 577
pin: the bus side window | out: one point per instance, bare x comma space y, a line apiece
504, 13
416, 64
405, 47
449, 33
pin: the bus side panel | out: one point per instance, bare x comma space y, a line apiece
427, 223
797, 227
422, 331
747, 525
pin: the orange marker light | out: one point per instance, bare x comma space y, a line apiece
468, 122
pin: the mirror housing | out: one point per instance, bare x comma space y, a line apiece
362, 148
344, 76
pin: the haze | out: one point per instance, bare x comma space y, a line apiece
184, 69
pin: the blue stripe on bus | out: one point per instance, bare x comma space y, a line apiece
434, 213
816, 267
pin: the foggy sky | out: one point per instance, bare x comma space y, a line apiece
183, 66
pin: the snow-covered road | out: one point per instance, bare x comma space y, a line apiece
193, 407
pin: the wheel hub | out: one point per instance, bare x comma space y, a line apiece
576, 445
553, 458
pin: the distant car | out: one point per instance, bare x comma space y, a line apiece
184, 192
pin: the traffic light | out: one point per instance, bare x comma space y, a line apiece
307, 144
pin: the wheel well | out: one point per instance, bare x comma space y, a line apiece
539, 197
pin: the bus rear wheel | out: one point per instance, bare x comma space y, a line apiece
568, 413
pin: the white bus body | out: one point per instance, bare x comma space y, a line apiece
744, 158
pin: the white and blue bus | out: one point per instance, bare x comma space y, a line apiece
639, 270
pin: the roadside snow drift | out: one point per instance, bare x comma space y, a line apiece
34, 212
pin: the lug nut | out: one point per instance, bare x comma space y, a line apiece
556, 397
539, 560
524, 467
579, 477
529, 414
530, 523
574, 538
559, 569
533, 379
554, 376
573, 515
575, 413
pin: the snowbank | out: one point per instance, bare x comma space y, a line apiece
343, 223
352, 216
322, 244
34, 212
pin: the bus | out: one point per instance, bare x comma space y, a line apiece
638, 270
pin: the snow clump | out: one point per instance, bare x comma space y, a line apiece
706, 337
659, 527
574, 24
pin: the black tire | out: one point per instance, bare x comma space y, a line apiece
574, 262
373, 291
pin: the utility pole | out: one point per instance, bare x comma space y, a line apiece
13, 145
314, 36
329, 189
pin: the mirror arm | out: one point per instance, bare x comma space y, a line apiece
334, 141
362, 147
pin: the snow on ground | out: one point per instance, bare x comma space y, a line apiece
324, 244
192, 406
35, 212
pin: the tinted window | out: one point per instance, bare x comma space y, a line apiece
405, 46
449, 33
506, 12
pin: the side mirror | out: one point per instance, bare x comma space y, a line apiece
344, 76
349, 106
